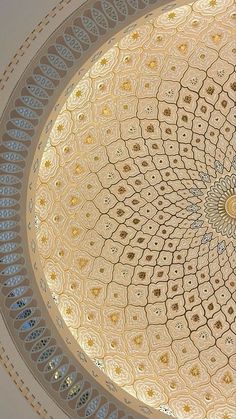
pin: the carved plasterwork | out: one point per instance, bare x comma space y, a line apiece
127, 200
46, 345
68, 375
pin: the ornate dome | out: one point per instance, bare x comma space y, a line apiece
135, 183
119, 255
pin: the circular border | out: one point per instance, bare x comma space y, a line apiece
24, 119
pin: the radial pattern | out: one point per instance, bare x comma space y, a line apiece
135, 211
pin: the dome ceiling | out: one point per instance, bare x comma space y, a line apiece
136, 211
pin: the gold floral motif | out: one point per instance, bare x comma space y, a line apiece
123, 209
78, 93
186, 408
60, 127
103, 61
135, 36
171, 15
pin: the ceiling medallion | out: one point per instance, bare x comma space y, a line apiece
128, 210
220, 206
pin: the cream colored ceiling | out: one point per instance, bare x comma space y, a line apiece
22, 22
135, 211
10, 393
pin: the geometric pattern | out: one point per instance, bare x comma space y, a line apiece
221, 206
134, 234
20, 305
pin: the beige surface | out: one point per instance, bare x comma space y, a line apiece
33, 23
18, 387
21, 16
126, 212
12, 404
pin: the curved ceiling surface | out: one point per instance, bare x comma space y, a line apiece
136, 211
27, 18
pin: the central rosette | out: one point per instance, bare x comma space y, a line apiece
230, 206
221, 206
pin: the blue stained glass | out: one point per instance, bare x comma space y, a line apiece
49, 71
64, 52
29, 324
92, 406
83, 398
99, 18
24, 314
32, 102
15, 145
73, 43
196, 224
7, 235
17, 292
12, 257
221, 247
7, 213
204, 176
22, 123
46, 354
5, 225
218, 166
9, 179
10, 270
26, 112
37, 91
196, 191
81, 34
59, 373
90, 25
75, 390
103, 411
109, 11
10, 156
56, 62
41, 344
68, 381
193, 208
121, 7
7, 202
10, 168
20, 303
35, 334
53, 363
15, 280
206, 238
18, 134
234, 162
8, 247
43, 81
8, 190
113, 415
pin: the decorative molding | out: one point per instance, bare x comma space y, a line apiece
45, 345
28, 41
71, 46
